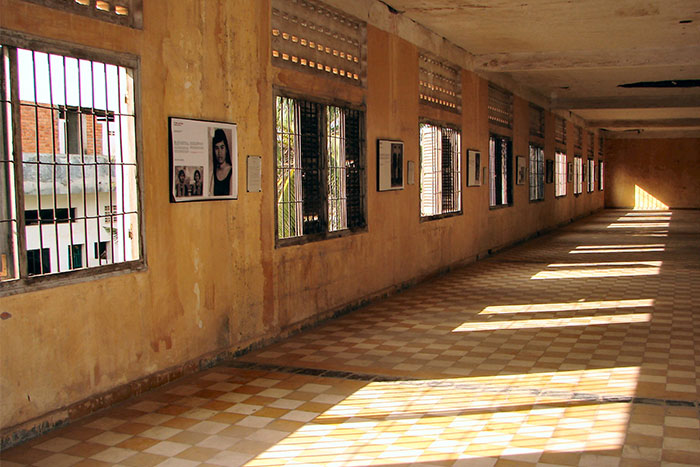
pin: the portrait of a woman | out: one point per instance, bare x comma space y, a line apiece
222, 168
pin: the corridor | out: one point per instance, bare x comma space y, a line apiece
578, 348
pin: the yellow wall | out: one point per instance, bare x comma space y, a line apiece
646, 172
215, 281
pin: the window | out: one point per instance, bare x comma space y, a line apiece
600, 175
320, 168
559, 174
500, 171
440, 171
536, 173
75, 256
77, 141
38, 261
591, 176
578, 175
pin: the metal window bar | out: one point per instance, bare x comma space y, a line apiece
336, 173
431, 176
560, 174
536, 173
49, 86
578, 175
289, 200
446, 157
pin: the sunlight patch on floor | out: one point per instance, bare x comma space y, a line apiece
566, 306
464, 418
541, 323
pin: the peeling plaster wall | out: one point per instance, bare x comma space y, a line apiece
667, 169
214, 280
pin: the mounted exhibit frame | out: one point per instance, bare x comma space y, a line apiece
520, 170
203, 160
473, 167
389, 165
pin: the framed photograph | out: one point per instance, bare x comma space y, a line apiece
570, 172
203, 160
549, 171
389, 165
473, 168
521, 170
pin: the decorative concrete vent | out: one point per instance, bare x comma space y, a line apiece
310, 36
440, 83
600, 145
591, 142
125, 12
579, 137
560, 130
500, 106
536, 121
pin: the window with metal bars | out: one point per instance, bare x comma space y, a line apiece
500, 107
560, 174
320, 168
600, 175
123, 12
536, 173
68, 145
560, 130
500, 171
591, 176
578, 175
440, 170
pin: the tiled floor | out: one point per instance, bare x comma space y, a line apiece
581, 348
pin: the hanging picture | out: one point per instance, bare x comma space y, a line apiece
203, 160
570, 172
473, 168
521, 170
389, 165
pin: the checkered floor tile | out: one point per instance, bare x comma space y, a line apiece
579, 348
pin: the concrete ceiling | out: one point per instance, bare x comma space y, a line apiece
577, 52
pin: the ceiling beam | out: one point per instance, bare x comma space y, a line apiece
587, 59
657, 123
632, 102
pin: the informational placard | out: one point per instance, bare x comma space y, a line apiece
254, 174
389, 165
521, 170
473, 168
411, 172
203, 160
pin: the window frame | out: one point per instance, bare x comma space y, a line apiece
509, 175
578, 175
23, 282
326, 234
560, 175
590, 182
458, 183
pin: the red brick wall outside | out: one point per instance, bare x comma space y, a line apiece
35, 119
